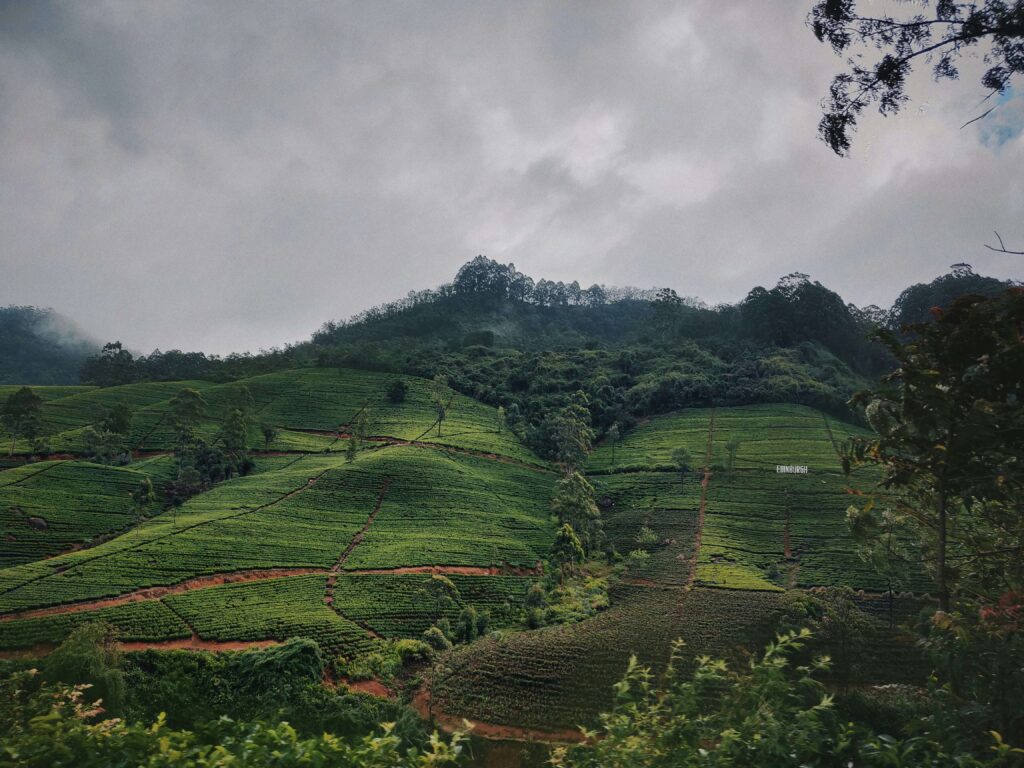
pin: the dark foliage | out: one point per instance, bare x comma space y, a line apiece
940, 35
38, 346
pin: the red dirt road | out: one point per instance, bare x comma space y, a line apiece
421, 702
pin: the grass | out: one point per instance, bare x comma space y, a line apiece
439, 509
650, 445
320, 399
70, 503
270, 610
401, 606
145, 621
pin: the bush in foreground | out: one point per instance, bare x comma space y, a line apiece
771, 714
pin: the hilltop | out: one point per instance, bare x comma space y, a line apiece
501, 338
40, 346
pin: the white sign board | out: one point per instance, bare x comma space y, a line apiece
790, 469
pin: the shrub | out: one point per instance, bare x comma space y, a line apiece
396, 391
436, 639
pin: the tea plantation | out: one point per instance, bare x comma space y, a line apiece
355, 550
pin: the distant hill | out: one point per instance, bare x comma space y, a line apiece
915, 304
40, 346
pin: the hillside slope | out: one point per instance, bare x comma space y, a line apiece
39, 346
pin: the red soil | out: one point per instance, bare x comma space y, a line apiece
421, 702
448, 570
195, 643
372, 687
155, 593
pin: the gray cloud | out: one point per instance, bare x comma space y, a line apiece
227, 176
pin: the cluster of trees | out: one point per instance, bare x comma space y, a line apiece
202, 462
948, 425
107, 441
87, 705
22, 416
442, 596
638, 353
487, 279
115, 365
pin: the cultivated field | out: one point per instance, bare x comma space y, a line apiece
349, 553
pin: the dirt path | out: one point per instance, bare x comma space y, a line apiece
332, 579
385, 484
176, 531
451, 570
47, 468
194, 643
431, 712
155, 593
704, 483
239, 577
372, 686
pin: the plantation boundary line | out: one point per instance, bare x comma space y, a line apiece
831, 437
388, 440
309, 483
37, 472
264, 574
155, 427
704, 483
158, 593
385, 483
332, 579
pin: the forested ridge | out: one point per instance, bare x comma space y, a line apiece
528, 346
39, 346
489, 502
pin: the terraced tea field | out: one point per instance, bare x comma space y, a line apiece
311, 408
732, 537
349, 553
47, 507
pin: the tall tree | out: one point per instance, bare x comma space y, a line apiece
112, 366
117, 420
574, 503
234, 435
571, 433
567, 551
732, 447
187, 409
356, 436
613, 439
940, 35
949, 424
683, 462
443, 398
22, 415
106, 441
269, 432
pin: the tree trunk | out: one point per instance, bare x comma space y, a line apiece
943, 588
14, 439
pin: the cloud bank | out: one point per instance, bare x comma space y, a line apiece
227, 176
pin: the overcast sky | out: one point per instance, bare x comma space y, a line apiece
227, 176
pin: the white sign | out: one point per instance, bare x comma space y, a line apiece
790, 469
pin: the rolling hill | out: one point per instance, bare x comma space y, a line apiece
351, 553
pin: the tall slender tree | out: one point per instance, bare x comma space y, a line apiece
22, 415
948, 426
